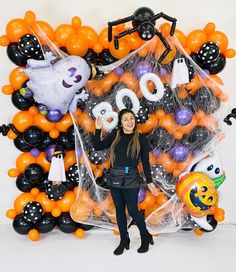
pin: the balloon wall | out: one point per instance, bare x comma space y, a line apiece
65, 77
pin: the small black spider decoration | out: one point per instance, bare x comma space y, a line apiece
143, 21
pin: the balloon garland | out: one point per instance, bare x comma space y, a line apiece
174, 97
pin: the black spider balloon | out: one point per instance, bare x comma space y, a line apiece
143, 21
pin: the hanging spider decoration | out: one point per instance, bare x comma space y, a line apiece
231, 115
143, 21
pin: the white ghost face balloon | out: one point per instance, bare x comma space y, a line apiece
55, 85
210, 166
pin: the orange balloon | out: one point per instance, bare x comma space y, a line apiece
24, 160
86, 122
97, 212
134, 41
46, 203
150, 124
40, 29
4, 41
80, 211
220, 39
33, 110
11, 213
63, 32
130, 80
56, 212
103, 37
64, 123
41, 121
97, 47
98, 172
34, 235
13, 172
107, 82
22, 120
76, 22
196, 39
181, 37
35, 191
168, 123
198, 232
21, 201
148, 201
43, 162
77, 45
11, 135
166, 161
90, 34
15, 29
30, 18
54, 133
230, 53
7, 89
17, 78
161, 199
209, 28
69, 159
66, 202
122, 51
79, 233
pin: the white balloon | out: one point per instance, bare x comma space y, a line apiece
159, 86
101, 109
134, 99
107, 116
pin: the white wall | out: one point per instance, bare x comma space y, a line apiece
190, 14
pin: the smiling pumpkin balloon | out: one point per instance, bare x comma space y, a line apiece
198, 193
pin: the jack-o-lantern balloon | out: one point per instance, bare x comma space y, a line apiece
198, 193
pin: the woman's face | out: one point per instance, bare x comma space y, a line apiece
128, 122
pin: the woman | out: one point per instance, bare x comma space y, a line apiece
127, 146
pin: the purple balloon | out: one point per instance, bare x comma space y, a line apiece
142, 68
179, 153
34, 152
54, 115
183, 116
79, 152
119, 71
162, 72
156, 152
49, 152
141, 195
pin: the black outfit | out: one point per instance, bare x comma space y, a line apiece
126, 193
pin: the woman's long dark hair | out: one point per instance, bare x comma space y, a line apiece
134, 144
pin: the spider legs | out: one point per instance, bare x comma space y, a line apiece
166, 44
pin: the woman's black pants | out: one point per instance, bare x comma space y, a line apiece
128, 197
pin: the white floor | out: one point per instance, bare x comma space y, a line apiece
56, 251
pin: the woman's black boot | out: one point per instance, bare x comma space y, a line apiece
145, 241
124, 243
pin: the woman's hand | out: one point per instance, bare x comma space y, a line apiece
98, 122
152, 187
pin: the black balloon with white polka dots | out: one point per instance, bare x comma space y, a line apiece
30, 47
33, 212
208, 52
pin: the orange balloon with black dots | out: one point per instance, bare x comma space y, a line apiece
17, 78
63, 32
15, 29
77, 45
24, 160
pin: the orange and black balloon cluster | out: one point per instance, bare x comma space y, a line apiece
172, 130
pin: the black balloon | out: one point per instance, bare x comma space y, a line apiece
66, 224
43, 184
64, 142
168, 102
199, 137
30, 47
34, 173
46, 223
20, 225
106, 56
142, 115
15, 55
21, 144
20, 102
33, 212
217, 66
55, 192
23, 184
47, 140
85, 227
72, 173
90, 55
70, 134
33, 135
208, 52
